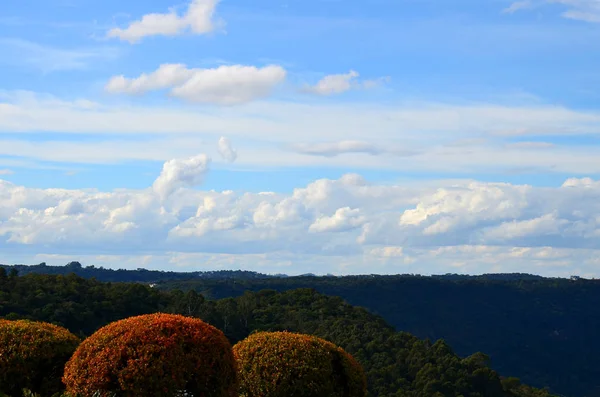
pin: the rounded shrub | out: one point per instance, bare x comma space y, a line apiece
153, 355
282, 364
33, 356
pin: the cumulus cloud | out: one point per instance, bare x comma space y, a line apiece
181, 173
166, 76
198, 19
224, 85
226, 150
339, 83
345, 225
344, 219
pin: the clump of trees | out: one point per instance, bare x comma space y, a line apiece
33, 356
153, 355
282, 364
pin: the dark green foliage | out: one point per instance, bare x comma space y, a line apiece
529, 326
78, 304
397, 364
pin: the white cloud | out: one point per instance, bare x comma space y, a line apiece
6, 172
344, 219
224, 85
356, 226
166, 76
518, 5
328, 149
333, 149
339, 83
179, 173
198, 19
408, 137
226, 150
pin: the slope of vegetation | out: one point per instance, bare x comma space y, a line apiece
529, 327
397, 364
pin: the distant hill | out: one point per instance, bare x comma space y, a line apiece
542, 330
145, 275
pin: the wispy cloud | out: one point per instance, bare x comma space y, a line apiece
332, 149
518, 5
424, 138
340, 83
50, 59
583, 10
6, 172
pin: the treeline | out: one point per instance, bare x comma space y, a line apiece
138, 275
151, 276
397, 363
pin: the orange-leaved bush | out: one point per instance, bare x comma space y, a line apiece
33, 356
282, 364
153, 355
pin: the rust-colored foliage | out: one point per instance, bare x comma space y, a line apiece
282, 364
153, 355
33, 356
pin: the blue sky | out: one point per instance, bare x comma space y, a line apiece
421, 96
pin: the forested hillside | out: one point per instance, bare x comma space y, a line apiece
529, 327
397, 363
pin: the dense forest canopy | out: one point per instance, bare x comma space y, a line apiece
397, 363
529, 325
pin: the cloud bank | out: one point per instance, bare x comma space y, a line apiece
390, 226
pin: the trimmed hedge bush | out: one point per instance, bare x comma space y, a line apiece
283, 364
153, 355
33, 356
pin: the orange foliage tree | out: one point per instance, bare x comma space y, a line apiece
153, 355
33, 356
282, 364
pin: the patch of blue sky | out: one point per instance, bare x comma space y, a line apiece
141, 175
456, 49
